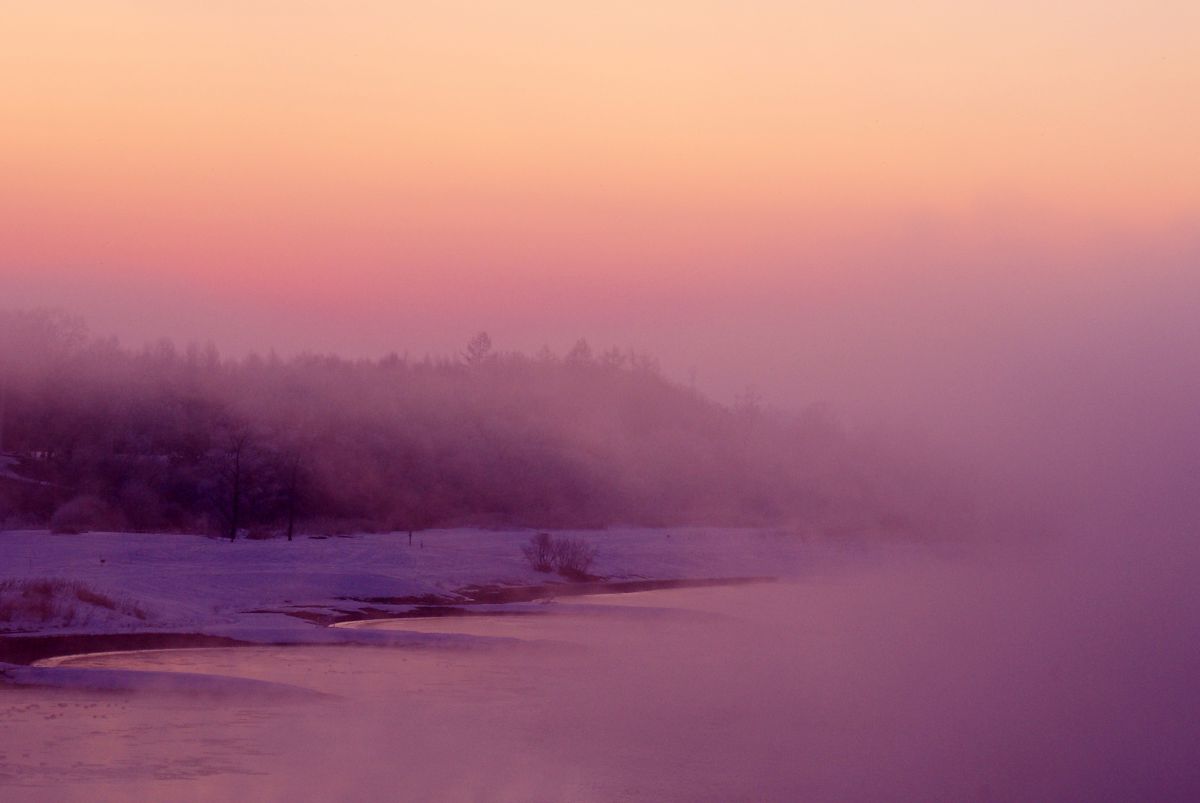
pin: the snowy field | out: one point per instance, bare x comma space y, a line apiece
166, 582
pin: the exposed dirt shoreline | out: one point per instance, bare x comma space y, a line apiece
31, 649
28, 649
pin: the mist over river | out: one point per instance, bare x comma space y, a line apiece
1056, 675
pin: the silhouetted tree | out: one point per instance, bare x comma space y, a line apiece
294, 462
479, 349
231, 465
580, 354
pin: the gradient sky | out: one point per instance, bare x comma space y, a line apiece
764, 191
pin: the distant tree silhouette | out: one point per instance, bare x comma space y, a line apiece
479, 349
169, 438
580, 354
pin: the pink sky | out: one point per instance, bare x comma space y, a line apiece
779, 194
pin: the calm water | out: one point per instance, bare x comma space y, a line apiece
917, 682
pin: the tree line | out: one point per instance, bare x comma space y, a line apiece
99, 436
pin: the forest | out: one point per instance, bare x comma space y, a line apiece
98, 436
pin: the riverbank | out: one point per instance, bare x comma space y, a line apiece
71, 589
24, 650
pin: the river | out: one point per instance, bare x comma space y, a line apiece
929, 681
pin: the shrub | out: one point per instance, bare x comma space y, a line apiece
574, 557
84, 513
540, 552
570, 557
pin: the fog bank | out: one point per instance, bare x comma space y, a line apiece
996, 675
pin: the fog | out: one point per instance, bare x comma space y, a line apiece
1051, 655
911, 287
1009, 675
1029, 341
180, 439
1060, 368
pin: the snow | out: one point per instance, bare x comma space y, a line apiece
245, 588
8, 471
7, 464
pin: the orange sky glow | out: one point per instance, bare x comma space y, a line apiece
399, 175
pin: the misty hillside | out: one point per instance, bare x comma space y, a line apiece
96, 436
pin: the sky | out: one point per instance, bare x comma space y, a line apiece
819, 200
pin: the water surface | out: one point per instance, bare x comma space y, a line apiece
928, 680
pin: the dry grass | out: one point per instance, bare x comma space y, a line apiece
64, 603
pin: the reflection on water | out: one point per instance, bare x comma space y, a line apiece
445, 723
932, 682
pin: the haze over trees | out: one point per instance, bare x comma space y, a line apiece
98, 436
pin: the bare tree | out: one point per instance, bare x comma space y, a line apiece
238, 446
230, 470
3, 405
292, 491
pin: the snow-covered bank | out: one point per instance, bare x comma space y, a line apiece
242, 588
